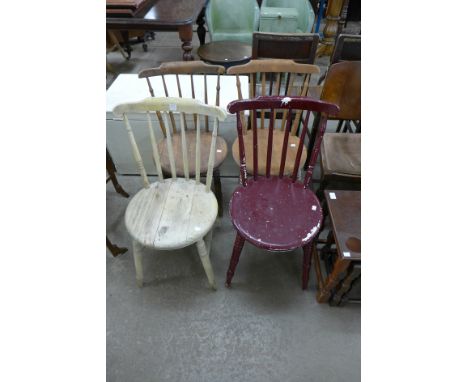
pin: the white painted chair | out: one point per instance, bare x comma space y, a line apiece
175, 212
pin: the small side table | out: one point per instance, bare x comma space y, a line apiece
344, 208
226, 53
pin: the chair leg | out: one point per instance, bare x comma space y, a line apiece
236, 251
114, 249
137, 257
340, 124
205, 259
217, 191
110, 167
306, 265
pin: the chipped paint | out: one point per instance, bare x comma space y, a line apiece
314, 207
286, 100
310, 234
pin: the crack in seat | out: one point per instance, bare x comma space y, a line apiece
171, 214
276, 213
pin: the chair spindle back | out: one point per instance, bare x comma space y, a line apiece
165, 106
285, 105
282, 81
183, 68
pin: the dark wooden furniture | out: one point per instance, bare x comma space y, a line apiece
277, 213
172, 15
344, 263
300, 47
341, 153
190, 68
347, 48
110, 167
273, 77
226, 53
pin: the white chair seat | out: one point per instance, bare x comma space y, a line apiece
171, 214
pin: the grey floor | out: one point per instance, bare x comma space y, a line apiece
265, 328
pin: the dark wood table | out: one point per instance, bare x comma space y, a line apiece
344, 208
227, 53
165, 15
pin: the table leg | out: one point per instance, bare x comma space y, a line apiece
339, 271
185, 35
201, 31
345, 287
333, 16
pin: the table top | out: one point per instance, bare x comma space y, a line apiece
161, 13
130, 88
345, 214
224, 52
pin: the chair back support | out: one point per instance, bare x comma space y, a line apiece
282, 81
164, 106
188, 68
287, 105
347, 48
300, 47
343, 88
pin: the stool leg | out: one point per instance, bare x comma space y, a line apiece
236, 251
114, 249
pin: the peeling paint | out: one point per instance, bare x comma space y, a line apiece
310, 234
286, 100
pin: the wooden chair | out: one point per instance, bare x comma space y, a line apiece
284, 75
189, 68
277, 213
341, 153
300, 47
347, 48
175, 212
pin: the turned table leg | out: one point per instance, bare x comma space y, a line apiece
333, 16
185, 35
339, 271
345, 287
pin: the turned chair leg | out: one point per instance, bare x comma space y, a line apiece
236, 251
137, 257
217, 191
204, 254
306, 265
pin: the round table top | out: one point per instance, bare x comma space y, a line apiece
225, 52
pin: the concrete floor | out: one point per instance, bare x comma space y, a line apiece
265, 328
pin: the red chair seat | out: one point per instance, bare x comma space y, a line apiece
275, 213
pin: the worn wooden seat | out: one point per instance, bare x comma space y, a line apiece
276, 77
171, 214
189, 68
177, 212
221, 151
341, 154
276, 213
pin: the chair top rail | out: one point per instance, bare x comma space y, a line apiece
274, 65
182, 67
279, 102
173, 104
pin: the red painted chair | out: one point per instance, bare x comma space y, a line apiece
277, 213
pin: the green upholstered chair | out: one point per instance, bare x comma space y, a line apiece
286, 16
232, 19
